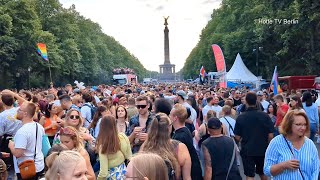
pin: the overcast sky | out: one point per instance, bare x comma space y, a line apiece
138, 25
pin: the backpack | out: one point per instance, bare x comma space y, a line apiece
93, 110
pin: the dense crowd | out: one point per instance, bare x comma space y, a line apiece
158, 132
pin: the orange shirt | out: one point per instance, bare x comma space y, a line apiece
48, 123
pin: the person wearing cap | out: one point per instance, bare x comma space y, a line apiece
219, 154
262, 100
181, 98
255, 130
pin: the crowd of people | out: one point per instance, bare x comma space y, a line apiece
158, 132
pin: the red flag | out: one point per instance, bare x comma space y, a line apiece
202, 72
220, 63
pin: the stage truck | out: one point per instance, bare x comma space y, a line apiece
122, 79
287, 83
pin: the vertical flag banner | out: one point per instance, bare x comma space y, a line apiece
275, 83
221, 64
202, 72
42, 51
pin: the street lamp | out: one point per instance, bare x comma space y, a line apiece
257, 57
17, 81
29, 69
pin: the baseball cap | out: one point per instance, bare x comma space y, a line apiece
259, 93
214, 123
182, 94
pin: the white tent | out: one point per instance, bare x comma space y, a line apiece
240, 72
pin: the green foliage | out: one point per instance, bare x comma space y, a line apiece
235, 27
77, 47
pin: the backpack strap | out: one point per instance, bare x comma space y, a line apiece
90, 106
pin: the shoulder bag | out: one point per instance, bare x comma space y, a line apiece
28, 168
232, 159
293, 155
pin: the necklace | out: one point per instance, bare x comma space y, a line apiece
122, 125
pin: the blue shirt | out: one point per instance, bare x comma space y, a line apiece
312, 113
278, 151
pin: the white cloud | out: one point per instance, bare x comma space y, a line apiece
138, 25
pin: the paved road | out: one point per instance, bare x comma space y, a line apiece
257, 176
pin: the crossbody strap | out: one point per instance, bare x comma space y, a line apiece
230, 127
35, 146
293, 155
232, 159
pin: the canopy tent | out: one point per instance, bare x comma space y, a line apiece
240, 73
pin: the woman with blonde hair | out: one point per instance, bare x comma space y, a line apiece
74, 119
66, 165
175, 154
114, 148
147, 166
71, 138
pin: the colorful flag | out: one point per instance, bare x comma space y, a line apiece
275, 83
42, 51
202, 72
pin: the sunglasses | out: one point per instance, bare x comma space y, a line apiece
141, 106
74, 117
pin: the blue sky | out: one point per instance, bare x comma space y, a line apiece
138, 25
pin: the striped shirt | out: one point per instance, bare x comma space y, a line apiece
278, 151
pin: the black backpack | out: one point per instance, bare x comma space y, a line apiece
93, 110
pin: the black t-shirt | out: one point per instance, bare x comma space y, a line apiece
221, 150
184, 135
221, 103
236, 102
128, 91
253, 126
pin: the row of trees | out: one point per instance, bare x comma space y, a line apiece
239, 26
77, 47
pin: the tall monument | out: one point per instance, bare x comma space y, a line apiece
167, 70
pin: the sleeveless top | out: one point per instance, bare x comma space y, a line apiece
204, 137
221, 150
48, 123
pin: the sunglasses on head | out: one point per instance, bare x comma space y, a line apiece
74, 117
66, 131
141, 106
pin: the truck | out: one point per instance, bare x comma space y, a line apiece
287, 83
124, 79
147, 80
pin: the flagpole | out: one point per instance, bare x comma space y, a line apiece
51, 83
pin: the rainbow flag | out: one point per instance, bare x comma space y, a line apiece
42, 51
275, 82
